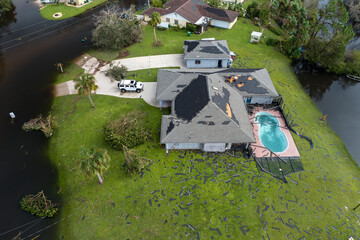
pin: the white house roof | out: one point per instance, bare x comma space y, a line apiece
256, 34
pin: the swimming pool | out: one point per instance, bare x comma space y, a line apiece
269, 132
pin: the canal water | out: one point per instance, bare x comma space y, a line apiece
30, 47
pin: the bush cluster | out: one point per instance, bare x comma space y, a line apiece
272, 42
128, 130
275, 30
38, 205
134, 163
117, 72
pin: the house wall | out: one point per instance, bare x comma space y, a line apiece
173, 146
230, 25
218, 23
172, 17
79, 2
214, 147
206, 63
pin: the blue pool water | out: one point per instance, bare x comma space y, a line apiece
270, 134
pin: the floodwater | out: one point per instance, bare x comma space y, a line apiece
31, 46
339, 98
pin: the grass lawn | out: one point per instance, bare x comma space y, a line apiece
185, 194
71, 71
146, 75
67, 11
173, 40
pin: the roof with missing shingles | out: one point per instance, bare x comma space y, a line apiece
171, 82
206, 49
207, 110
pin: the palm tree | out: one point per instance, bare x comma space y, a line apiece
154, 21
94, 162
85, 84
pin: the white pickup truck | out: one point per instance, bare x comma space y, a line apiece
130, 86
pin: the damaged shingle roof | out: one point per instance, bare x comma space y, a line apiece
206, 49
202, 114
192, 99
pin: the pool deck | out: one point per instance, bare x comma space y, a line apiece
259, 150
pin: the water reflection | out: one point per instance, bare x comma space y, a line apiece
339, 98
9, 17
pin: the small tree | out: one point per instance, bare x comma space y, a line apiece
38, 205
154, 21
127, 130
116, 28
133, 161
45, 124
117, 72
85, 84
94, 162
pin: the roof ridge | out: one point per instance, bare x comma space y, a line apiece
167, 70
186, 1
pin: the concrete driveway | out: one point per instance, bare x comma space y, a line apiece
108, 87
92, 65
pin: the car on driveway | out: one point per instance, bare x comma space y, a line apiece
130, 86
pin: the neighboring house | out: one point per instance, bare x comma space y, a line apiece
78, 2
208, 107
184, 12
207, 54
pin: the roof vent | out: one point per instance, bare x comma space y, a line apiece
215, 88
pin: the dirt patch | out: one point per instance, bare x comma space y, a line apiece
101, 64
157, 44
123, 54
73, 102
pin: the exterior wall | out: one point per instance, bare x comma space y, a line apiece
173, 146
230, 25
214, 147
79, 2
206, 63
181, 21
217, 23
165, 104
258, 100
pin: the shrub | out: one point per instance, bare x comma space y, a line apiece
117, 72
127, 130
352, 62
45, 124
157, 3
133, 161
275, 30
272, 42
191, 27
253, 10
38, 205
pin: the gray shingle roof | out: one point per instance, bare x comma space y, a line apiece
206, 49
171, 81
210, 110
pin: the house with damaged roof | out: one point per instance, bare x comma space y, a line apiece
207, 54
183, 12
208, 107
